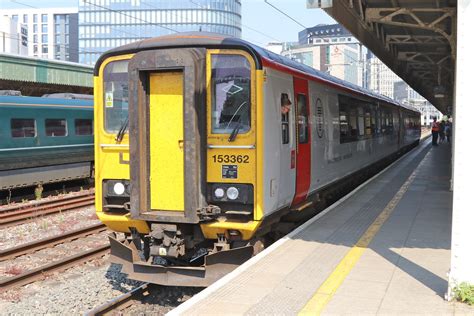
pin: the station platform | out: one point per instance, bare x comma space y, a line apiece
382, 249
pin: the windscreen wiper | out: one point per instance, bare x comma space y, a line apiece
235, 131
121, 131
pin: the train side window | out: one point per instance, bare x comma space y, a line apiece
368, 122
346, 122
23, 128
83, 127
56, 127
360, 121
302, 119
343, 126
285, 118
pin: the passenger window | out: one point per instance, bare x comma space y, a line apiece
285, 107
343, 126
83, 127
360, 121
56, 127
23, 128
302, 119
347, 120
368, 122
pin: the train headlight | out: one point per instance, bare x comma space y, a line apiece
119, 188
232, 193
219, 193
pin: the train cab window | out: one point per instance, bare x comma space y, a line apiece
56, 127
230, 86
21, 128
302, 119
285, 108
116, 95
83, 127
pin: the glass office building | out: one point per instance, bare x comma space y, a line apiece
105, 24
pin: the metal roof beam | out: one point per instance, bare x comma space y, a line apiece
437, 24
388, 31
415, 39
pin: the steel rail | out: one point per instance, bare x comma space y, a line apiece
120, 302
24, 215
36, 245
37, 203
57, 266
39, 209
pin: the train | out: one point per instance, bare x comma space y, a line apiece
45, 139
206, 144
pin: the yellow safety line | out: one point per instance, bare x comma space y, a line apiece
327, 290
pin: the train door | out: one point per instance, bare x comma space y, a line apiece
303, 148
166, 118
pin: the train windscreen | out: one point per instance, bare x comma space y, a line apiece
116, 95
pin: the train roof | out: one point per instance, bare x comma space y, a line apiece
45, 102
213, 40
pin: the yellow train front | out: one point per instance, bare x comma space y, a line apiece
205, 144
176, 178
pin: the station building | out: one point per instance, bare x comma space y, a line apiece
13, 37
52, 32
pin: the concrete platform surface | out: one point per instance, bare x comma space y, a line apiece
383, 249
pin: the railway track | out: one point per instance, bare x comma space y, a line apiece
56, 266
33, 246
120, 302
19, 214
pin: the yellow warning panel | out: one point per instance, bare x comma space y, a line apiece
166, 141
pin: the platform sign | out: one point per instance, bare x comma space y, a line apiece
109, 99
318, 4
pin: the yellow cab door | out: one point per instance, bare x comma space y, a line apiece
166, 141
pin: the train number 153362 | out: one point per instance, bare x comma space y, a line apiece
231, 158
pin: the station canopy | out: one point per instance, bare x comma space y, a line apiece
415, 38
35, 77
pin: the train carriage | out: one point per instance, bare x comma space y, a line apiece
44, 140
226, 142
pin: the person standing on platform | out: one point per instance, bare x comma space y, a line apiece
442, 127
434, 132
447, 131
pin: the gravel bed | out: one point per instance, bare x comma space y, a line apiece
161, 300
72, 292
82, 288
41, 257
47, 226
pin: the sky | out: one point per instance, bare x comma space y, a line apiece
260, 22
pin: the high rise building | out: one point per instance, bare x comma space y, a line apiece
52, 32
405, 94
13, 37
381, 79
330, 48
105, 24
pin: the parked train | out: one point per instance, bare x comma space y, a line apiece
226, 140
45, 139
